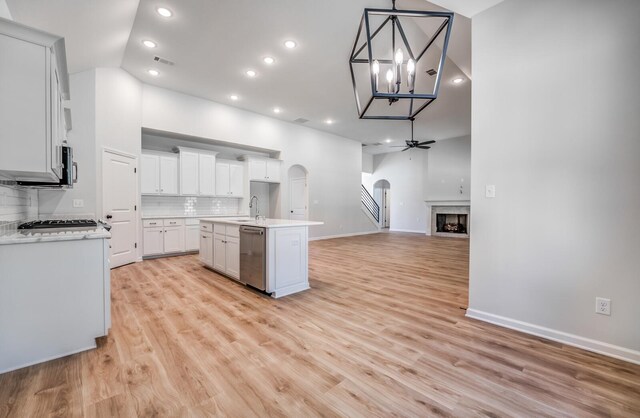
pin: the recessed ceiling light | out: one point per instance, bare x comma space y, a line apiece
250, 73
328, 121
277, 110
234, 97
149, 44
458, 80
164, 12
154, 73
290, 44
269, 60
388, 140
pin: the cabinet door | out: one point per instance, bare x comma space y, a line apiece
174, 239
206, 248
257, 170
273, 171
57, 127
207, 174
236, 180
168, 174
149, 173
222, 179
219, 252
233, 257
189, 173
153, 241
192, 240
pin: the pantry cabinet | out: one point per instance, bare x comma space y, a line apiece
34, 84
229, 178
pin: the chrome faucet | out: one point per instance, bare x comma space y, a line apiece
257, 207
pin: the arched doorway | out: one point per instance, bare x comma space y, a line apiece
382, 196
298, 193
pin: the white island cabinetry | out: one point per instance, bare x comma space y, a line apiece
285, 252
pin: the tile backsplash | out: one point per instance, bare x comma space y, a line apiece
17, 203
189, 206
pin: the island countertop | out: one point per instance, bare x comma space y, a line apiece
263, 223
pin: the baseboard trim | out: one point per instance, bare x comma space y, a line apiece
353, 234
588, 344
407, 230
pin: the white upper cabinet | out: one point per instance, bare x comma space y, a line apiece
207, 174
229, 178
189, 172
159, 173
264, 169
33, 86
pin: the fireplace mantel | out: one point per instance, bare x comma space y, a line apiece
448, 202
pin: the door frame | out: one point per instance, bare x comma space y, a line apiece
138, 217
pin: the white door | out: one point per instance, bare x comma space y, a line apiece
189, 173
149, 173
222, 179
168, 175
207, 176
236, 180
232, 259
386, 202
219, 252
298, 198
119, 186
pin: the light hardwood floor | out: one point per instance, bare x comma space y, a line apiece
382, 332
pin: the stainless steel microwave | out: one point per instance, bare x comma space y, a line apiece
69, 174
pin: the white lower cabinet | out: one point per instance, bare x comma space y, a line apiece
225, 257
163, 236
192, 237
206, 247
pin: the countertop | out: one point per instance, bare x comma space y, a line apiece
11, 235
266, 223
189, 216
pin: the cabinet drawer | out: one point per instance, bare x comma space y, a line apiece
174, 222
207, 227
147, 223
233, 231
220, 229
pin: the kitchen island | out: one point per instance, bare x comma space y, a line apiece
270, 255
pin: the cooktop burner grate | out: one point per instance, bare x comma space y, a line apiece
59, 223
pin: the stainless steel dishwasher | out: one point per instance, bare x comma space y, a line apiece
253, 242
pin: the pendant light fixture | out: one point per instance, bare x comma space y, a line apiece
401, 47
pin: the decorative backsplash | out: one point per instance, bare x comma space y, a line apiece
17, 204
189, 206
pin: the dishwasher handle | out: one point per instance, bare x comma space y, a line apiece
252, 230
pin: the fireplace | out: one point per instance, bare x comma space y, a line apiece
452, 223
450, 218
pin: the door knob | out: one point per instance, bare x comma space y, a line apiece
109, 216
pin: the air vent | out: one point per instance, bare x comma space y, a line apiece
432, 72
163, 60
301, 120
375, 144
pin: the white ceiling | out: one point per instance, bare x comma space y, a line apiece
468, 8
214, 42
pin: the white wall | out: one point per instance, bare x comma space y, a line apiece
367, 163
82, 138
556, 101
334, 163
4, 10
449, 168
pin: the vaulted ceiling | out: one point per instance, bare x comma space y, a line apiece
213, 43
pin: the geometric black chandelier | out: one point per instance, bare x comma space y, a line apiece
398, 57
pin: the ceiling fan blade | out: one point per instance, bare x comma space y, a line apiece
397, 146
405, 149
423, 147
426, 142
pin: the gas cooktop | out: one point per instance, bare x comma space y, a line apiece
59, 223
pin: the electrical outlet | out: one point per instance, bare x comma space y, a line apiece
78, 203
603, 306
490, 191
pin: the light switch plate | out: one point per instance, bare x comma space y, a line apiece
490, 191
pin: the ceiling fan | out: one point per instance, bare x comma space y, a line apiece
413, 143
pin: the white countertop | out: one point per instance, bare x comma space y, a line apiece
145, 216
27, 236
266, 223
